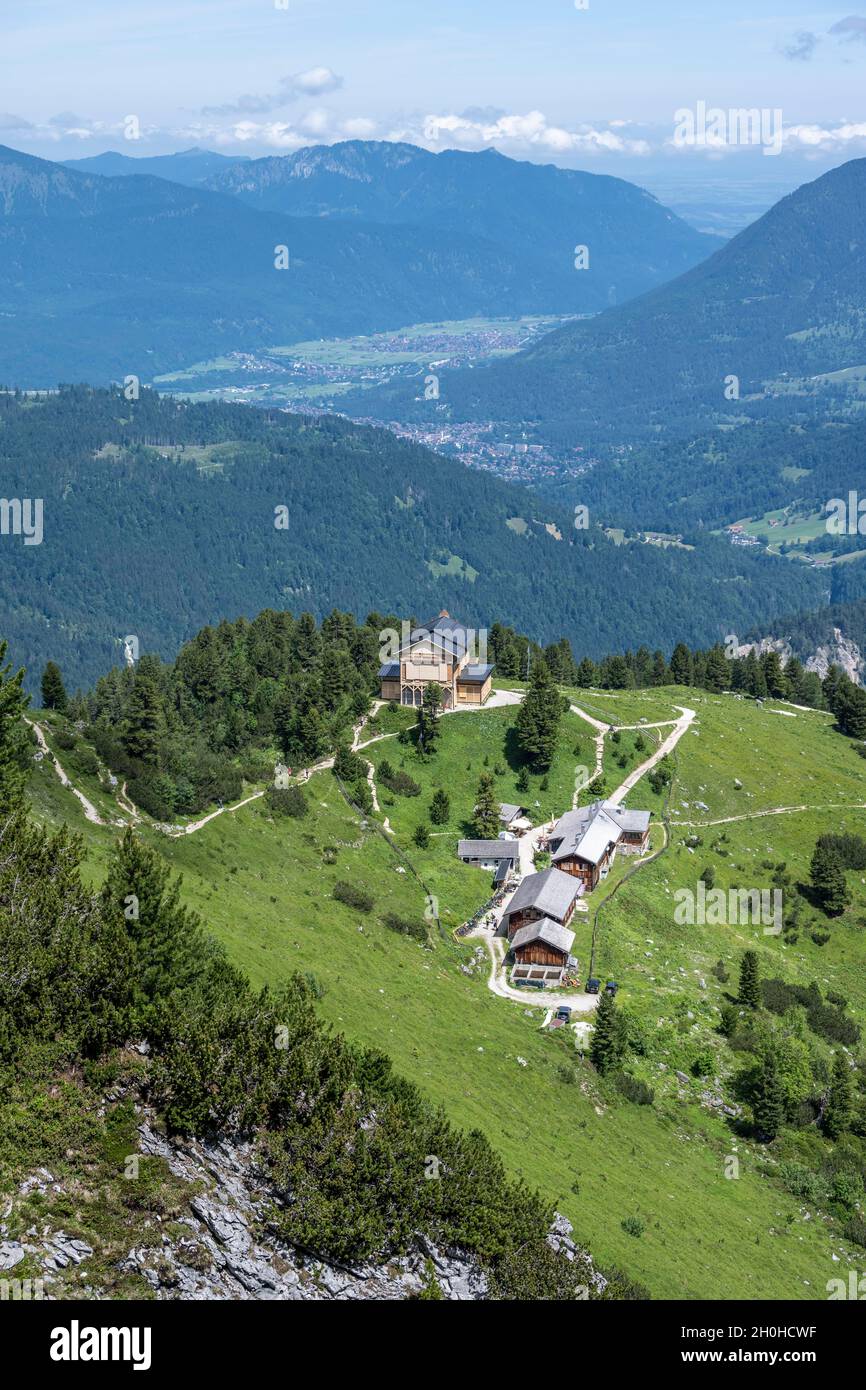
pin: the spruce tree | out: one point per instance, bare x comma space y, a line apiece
440, 808
166, 936
828, 879
769, 1101
486, 820
53, 691
750, 981
538, 717
428, 718
141, 734
839, 1110
608, 1043
682, 666
718, 672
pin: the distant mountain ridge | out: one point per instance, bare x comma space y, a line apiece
540, 211
190, 167
785, 298
105, 276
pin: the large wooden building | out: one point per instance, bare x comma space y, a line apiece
551, 894
437, 652
542, 952
584, 843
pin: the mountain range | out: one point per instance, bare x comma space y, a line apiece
778, 306
101, 277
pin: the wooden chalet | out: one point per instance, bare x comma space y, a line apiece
542, 952
584, 843
437, 652
551, 894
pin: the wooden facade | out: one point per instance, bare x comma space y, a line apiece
525, 915
540, 953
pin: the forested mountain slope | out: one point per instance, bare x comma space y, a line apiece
535, 211
160, 517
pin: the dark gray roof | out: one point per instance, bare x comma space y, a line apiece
508, 812
390, 671
551, 933
488, 849
552, 892
590, 829
448, 633
474, 675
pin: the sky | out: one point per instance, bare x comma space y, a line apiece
593, 84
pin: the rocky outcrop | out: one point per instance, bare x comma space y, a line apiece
840, 651
224, 1245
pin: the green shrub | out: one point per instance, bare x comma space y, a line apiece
353, 896
287, 801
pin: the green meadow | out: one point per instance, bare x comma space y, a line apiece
265, 888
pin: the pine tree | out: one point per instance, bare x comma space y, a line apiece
53, 691
440, 808
486, 820
607, 1048
538, 717
13, 739
749, 993
839, 1110
682, 666
769, 1100
523, 780
421, 836
828, 879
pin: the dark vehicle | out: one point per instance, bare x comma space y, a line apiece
593, 986
563, 1013
611, 987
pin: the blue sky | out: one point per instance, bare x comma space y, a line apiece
594, 88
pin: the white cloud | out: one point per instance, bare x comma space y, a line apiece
530, 131
313, 82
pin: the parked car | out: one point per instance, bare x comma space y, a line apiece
611, 987
563, 1013
593, 986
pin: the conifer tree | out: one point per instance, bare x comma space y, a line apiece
440, 808
750, 981
53, 691
769, 1101
608, 1042
166, 937
539, 716
828, 879
839, 1110
682, 666
428, 718
486, 820
13, 739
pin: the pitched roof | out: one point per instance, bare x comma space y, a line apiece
588, 831
448, 634
390, 671
508, 812
488, 849
551, 933
552, 892
474, 675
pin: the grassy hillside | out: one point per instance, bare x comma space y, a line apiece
265, 888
